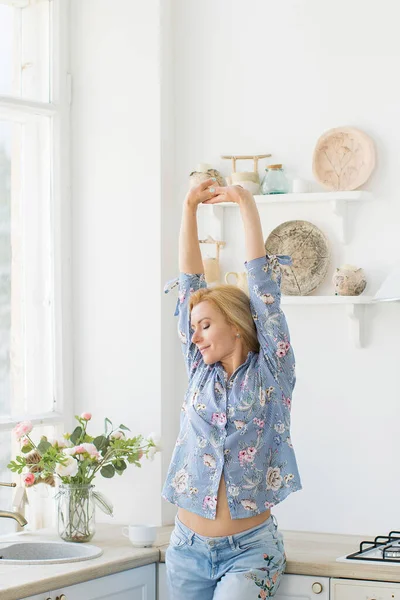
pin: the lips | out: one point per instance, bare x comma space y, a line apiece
202, 350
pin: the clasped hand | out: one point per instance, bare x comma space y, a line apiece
208, 192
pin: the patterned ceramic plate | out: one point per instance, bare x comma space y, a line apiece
308, 247
344, 158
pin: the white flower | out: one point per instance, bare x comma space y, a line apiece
233, 490
69, 451
279, 427
155, 438
69, 469
274, 478
209, 461
118, 435
180, 481
151, 452
201, 441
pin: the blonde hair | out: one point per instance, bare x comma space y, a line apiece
234, 305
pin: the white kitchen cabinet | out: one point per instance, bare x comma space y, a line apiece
299, 587
134, 584
303, 587
354, 589
162, 590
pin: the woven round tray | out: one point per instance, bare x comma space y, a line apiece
308, 247
343, 159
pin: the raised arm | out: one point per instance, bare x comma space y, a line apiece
191, 271
264, 278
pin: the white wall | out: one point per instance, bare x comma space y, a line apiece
267, 76
247, 78
119, 164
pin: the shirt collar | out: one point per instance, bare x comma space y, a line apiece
221, 371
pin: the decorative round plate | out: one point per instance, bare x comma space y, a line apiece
308, 247
344, 158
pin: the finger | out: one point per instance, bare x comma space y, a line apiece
207, 183
216, 199
213, 190
208, 193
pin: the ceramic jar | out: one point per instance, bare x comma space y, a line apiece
349, 281
203, 172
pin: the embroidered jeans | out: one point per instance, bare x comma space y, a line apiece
245, 566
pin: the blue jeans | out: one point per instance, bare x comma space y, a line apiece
245, 566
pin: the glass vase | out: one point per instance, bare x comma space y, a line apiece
275, 181
76, 512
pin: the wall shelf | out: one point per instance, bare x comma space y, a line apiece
338, 202
355, 307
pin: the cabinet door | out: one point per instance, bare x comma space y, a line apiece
135, 584
162, 590
354, 589
303, 587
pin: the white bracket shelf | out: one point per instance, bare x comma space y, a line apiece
338, 202
355, 307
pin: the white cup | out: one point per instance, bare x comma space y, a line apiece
140, 536
299, 186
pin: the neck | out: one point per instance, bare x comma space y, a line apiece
232, 362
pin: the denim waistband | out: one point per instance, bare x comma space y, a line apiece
270, 524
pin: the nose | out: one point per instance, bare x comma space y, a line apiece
195, 337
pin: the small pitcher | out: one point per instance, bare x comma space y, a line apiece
240, 280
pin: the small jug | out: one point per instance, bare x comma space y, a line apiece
211, 270
240, 280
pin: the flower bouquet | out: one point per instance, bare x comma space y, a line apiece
74, 460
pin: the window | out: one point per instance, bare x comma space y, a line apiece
35, 356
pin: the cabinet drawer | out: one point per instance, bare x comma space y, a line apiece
303, 587
352, 589
134, 584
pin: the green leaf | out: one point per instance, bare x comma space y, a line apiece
103, 503
124, 427
107, 471
75, 435
26, 448
43, 446
120, 465
100, 442
106, 423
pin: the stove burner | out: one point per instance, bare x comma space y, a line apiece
383, 548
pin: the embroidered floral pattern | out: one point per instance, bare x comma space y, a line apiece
269, 585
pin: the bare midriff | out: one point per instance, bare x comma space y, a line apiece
223, 524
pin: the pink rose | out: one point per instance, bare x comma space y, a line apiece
251, 451
281, 353
22, 429
79, 449
28, 479
86, 416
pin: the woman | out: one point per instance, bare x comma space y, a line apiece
233, 459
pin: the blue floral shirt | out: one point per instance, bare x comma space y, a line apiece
238, 425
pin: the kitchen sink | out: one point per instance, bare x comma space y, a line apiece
45, 553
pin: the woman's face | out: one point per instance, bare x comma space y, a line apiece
212, 334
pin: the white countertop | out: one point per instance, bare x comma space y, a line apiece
307, 553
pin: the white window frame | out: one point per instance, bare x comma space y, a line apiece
60, 207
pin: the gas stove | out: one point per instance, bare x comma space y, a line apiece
385, 549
